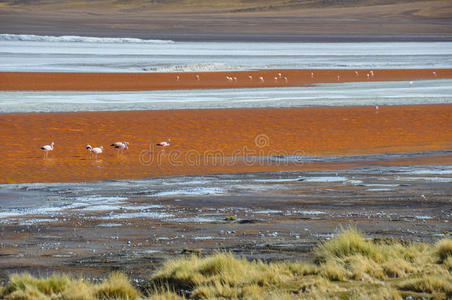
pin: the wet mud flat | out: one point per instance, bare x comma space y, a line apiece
133, 226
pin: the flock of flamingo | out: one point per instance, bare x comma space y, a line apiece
119, 146
279, 77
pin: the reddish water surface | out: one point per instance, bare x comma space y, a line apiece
205, 141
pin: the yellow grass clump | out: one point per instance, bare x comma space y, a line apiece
348, 266
444, 249
117, 286
349, 242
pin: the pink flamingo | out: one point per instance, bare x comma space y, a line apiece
47, 148
120, 146
96, 150
164, 144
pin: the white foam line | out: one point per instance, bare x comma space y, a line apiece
433, 179
324, 179
78, 39
268, 211
150, 215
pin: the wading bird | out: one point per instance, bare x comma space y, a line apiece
96, 150
120, 146
47, 148
164, 144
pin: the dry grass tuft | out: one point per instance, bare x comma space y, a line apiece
116, 287
428, 284
25, 286
349, 242
444, 249
230, 218
448, 263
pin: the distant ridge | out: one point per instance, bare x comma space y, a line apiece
234, 20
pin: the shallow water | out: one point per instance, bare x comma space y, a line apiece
108, 200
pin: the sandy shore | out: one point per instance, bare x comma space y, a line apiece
35, 81
215, 141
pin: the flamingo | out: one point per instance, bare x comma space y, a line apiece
88, 147
197, 77
280, 75
120, 146
96, 150
250, 77
371, 73
47, 148
276, 78
261, 79
312, 74
164, 144
338, 77
356, 73
235, 79
434, 74
177, 77
285, 79
368, 76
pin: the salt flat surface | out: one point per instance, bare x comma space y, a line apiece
30, 53
334, 94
